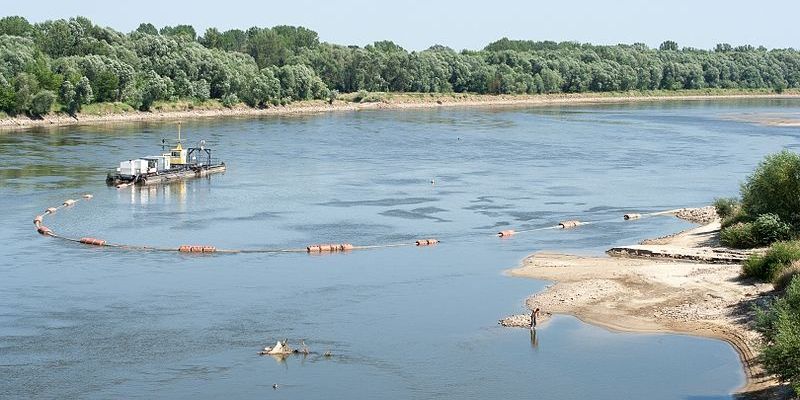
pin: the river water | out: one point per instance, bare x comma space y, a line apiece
406, 322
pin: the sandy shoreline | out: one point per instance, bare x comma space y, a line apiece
656, 294
398, 102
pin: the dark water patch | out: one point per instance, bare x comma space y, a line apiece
490, 214
401, 181
483, 199
533, 215
413, 214
479, 173
387, 202
484, 207
449, 192
606, 209
341, 229
203, 223
497, 224
566, 191
428, 210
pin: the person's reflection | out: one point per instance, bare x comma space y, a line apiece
534, 340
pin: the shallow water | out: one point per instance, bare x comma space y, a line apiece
401, 322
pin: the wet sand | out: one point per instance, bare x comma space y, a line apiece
391, 101
659, 294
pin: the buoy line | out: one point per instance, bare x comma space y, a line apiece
326, 248
571, 224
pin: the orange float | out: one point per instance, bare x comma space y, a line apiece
92, 241
197, 249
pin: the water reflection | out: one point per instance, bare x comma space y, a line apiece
534, 339
173, 192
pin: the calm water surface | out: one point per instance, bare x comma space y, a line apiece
402, 322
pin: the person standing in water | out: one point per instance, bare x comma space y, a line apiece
534, 317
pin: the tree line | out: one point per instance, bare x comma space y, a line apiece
68, 63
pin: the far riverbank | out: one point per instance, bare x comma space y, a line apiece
109, 113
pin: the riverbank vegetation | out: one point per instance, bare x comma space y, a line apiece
68, 65
769, 214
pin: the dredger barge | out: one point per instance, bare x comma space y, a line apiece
178, 163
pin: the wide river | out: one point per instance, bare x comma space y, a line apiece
404, 322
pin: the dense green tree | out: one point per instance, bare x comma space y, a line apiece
42, 102
773, 188
153, 87
668, 45
66, 95
15, 26
186, 31
145, 66
7, 98
147, 28
25, 86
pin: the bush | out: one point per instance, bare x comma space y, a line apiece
736, 216
42, 102
768, 229
773, 188
726, 206
360, 96
375, 98
786, 275
770, 265
230, 100
780, 326
738, 236
765, 230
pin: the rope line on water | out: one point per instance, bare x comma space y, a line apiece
327, 248
311, 249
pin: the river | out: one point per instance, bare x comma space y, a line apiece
405, 322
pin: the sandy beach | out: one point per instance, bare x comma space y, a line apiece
659, 293
391, 101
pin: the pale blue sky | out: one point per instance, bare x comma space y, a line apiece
469, 24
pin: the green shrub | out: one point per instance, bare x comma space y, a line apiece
737, 216
738, 236
770, 265
374, 98
230, 100
786, 275
768, 229
42, 102
726, 206
765, 230
360, 96
773, 188
779, 323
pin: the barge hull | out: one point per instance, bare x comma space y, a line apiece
166, 176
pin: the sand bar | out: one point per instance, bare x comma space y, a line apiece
660, 293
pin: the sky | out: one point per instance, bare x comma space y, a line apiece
466, 24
